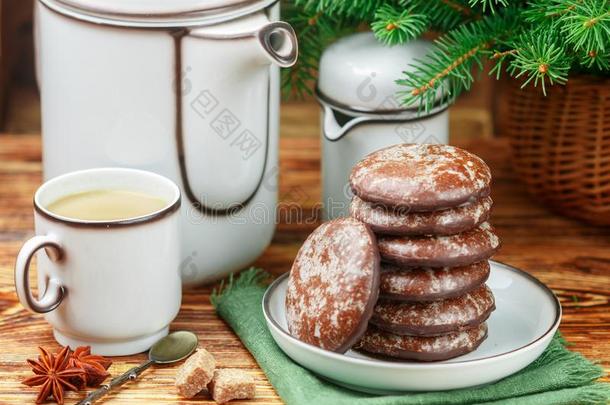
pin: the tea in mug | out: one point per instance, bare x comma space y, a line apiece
106, 205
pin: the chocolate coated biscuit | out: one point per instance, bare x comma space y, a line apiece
422, 348
421, 177
398, 221
468, 247
333, 285
434, 318
431, 284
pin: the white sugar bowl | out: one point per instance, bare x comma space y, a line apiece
361, 110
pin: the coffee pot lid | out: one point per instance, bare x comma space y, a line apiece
160, 13
358, 73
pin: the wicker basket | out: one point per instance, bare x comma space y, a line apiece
561, 145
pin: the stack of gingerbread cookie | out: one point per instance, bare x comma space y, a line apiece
428, 206
405, 275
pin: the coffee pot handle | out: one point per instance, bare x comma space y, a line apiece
277, 40
285, 51
227, 108
54, 291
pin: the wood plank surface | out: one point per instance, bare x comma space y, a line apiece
572, 258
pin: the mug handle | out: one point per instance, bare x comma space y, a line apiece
54, 291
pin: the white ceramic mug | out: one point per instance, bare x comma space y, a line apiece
113, 285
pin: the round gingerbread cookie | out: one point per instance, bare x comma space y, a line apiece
422, 348
398, 221
422, 284
421, 177
434, 318
468, 247
333, 285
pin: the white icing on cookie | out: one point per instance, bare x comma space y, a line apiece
422, 177
437, 317
399, 221
333, 285
439, 251
431, 284
423, 348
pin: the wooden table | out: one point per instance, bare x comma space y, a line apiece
574, 259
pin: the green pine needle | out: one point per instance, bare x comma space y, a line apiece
315, 31
540, 59
595, 60
447, 71
490, 5
394, 25
546, 11
587, 24
360, 9
537, 41
444, 15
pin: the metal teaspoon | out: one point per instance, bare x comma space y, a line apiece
172, 348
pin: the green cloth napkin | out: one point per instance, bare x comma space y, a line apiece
558, 377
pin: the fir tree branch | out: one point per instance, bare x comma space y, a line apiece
500, 55
587, 24
537, 41
315, 31
447, 71
595, 61
490, 5
540, 59
394, 25
543, 11
360, 9
466, 11
443, 15
560, 12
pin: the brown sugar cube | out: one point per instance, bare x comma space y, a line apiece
230, 383
195, 374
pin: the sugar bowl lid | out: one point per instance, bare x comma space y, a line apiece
358, 73
157, 13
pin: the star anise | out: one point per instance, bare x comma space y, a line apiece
53, 374
94, 366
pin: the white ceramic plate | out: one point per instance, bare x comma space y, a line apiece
526, 317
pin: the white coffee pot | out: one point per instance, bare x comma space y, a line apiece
188, 89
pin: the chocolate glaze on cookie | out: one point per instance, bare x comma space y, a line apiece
431, 284
398, 221
333, 285
421, 177
422, 348
434, 318
468, 247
